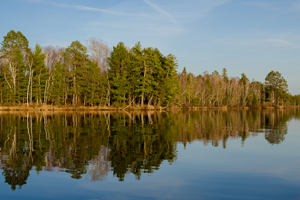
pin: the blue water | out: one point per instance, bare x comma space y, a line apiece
250, 169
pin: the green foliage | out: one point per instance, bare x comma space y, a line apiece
276, 86
76, 61
215, 73
137, 76
40, 74
13, 48
118, 63
224, 75
244, 79
59, 81
143, 75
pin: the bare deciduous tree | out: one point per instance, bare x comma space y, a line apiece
53, 55
99, 51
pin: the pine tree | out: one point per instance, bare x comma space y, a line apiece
94, 92
76, 60
118, 73
147, 68
184, 71
13, 48
276, 86
40, 74
169, 86
57, 86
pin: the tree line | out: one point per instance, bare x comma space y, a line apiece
97, 76
219, 90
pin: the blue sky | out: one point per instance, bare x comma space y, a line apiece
243, 36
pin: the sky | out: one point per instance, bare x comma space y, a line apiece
244, 36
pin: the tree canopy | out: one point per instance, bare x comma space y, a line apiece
136, 77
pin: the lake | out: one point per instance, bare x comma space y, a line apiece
208, 154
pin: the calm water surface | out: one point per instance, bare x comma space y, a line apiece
151, 155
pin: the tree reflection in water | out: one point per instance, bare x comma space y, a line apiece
92, 144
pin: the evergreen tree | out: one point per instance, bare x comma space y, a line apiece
170, 86
40, 74
224, 75
276, 86
14, 45
58, 84
95, 85
184, 71
118, 73
76, 60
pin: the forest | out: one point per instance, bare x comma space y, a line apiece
96, 76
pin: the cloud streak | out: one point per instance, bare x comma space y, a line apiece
170, 17
158, 9
278, 42
158, 17
78, 7
85, 8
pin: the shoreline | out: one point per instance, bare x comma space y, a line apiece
138, 108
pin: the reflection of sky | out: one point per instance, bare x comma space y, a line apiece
258, 170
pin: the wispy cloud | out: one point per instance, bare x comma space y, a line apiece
85, 8
278, 42
158, 9
77, 7
262, 40
156, 17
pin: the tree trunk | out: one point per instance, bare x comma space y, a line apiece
145, 71
31, 90
28, 92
